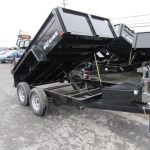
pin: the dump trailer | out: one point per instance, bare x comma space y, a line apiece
128, 51
122, 45
128, 41
141, 46
66, 39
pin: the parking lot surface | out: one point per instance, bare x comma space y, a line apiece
65, 127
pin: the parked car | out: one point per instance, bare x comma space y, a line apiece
3, 48
6, 57
3, 52
18, 55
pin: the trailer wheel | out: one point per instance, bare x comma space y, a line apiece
23, 90
38, 101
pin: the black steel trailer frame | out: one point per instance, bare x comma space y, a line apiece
124, 97
93, 97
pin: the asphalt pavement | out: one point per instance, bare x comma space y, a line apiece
65, 127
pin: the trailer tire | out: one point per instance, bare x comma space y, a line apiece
23, 90
38, 101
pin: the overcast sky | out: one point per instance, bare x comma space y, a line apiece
28, 15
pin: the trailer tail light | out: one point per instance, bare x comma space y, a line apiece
87, 72
61, 34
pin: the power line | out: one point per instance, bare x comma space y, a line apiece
137, 23
132, 16
139, 26
141, 22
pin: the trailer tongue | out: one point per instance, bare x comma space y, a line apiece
66, 39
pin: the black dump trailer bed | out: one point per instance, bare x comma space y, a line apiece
142, 41
141, 46
120, 51
65, 39
122, 45
130, 46
129, 50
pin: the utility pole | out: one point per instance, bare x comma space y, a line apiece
64, 3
